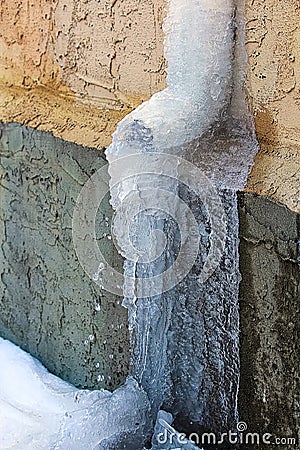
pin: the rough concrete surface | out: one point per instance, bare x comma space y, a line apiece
48, 304
269, 309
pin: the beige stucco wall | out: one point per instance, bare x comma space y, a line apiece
76, 67
104, 54
273, 45
110, 52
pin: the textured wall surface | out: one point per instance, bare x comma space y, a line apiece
48, 304
110, 52
105, 54
269, 304
64, 62
76, 67
27, 40
273, 46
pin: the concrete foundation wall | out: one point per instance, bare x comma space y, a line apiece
48, 305
269, 305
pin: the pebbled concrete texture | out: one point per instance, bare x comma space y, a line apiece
276, 174
269, 316
49, 306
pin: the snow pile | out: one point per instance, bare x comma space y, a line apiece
39, 411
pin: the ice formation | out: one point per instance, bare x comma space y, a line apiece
199, 49
166, 437
39, 411
184, 338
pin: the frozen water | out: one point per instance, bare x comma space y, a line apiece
39, 411
166, 437
199, 51
185, 339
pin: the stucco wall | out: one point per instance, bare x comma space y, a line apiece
273, 82
104, 54
273, 46
76, 67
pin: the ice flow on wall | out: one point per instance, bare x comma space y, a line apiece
185, 338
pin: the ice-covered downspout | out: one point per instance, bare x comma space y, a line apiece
198, 50
185, 339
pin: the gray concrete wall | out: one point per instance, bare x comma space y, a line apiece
269, 305
47, 303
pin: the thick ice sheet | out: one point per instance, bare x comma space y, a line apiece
199, 50
165, 437
185, 339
